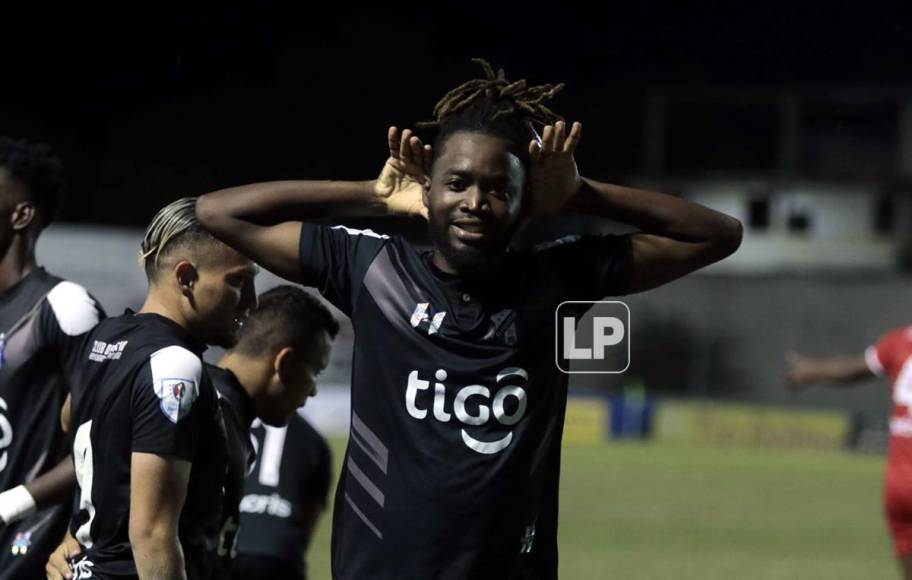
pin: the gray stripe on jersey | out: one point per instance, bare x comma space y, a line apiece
369, 443
363, 517
368, 485
389, 292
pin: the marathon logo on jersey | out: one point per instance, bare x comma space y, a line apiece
592, 337
472, 405
177, 397
421, 318
102, 351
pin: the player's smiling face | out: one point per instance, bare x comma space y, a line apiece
473, 201
224, 295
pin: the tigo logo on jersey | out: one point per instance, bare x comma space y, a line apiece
473, 405
177, 397
420, 316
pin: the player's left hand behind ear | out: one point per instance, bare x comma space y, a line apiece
554, 177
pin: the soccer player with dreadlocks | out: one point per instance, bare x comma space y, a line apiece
457, 406
40, 318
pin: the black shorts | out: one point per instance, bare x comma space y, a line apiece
250, 566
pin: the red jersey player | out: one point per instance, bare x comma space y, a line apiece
891, 356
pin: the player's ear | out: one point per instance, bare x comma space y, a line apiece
282, 363
186, 275
23, 215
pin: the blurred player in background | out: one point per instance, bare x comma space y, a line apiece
40, 316
457, 405
268, 375
890, 357
284, 497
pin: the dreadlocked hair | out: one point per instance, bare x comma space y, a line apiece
36, 167
496, 106
173, 225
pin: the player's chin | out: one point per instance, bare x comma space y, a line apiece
277, 419
227, 338
467, 255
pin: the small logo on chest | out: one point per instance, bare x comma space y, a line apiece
422, 318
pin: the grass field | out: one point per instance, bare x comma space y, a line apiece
656, 512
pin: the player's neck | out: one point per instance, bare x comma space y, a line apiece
253, 379
157, 304
17, 263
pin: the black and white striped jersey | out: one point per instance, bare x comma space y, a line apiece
141, 387
451, 471
40, 320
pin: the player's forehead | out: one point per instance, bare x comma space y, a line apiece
467, 152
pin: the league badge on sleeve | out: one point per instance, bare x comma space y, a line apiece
177, 397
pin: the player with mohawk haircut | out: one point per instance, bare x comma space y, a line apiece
457, 406
143, 412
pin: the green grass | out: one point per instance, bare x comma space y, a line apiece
649, 511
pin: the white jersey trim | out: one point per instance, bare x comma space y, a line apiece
356, 232
873, 361
75, 310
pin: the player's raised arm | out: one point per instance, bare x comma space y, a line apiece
260, 220
157, 492
676, 236
803, 371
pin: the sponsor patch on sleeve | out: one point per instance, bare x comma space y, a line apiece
177, 397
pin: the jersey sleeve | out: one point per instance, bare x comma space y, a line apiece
171, 401
592, 266
68, 313
883, 358
335, 260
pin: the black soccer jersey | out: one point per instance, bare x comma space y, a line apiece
142, 387
40, 318
238, 412
457, 404
293, 469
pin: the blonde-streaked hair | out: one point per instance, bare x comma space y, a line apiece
173, 225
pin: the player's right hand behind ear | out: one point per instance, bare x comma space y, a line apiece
401, 182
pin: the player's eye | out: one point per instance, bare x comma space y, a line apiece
456, 185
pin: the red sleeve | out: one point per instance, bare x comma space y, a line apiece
885, 356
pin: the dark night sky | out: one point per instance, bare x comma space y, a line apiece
153, 103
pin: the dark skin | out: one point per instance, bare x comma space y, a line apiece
19, 230
677, 237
